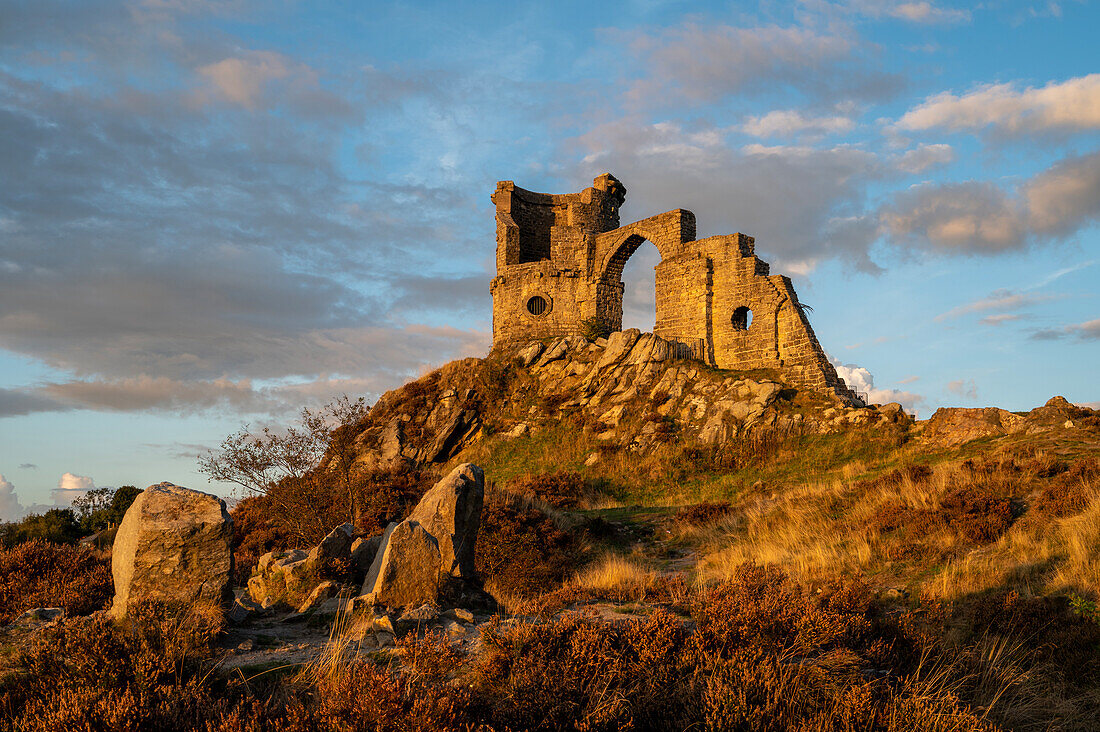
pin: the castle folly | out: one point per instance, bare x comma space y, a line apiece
560, 262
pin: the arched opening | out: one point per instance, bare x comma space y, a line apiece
741, 318
640, 287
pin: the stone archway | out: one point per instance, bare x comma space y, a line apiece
670, 232
610, 288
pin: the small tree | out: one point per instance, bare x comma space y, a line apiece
260, 463
101, 508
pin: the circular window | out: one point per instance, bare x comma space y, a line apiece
537, 305
742, 318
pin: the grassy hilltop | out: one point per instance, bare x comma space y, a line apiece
672, 547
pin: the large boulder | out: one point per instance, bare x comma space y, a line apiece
407, 571
451, 512
952, 426
173, 545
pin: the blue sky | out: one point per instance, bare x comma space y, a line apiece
214, 213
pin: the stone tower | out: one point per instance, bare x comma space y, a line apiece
560, 261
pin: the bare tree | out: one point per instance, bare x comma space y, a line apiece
259, 462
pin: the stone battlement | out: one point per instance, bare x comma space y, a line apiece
560, 260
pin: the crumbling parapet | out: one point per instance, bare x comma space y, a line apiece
560, 260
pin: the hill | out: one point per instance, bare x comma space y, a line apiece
668, 546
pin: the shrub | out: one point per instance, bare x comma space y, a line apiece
519, 549
595, 327
560, 490
973, 514
57, 525
39, 574
256, 531
706, 512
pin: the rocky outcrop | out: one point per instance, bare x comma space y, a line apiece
451, 512
173, 545
407, 570
433, 549
428, 555
633, 388
953, 426
289, 578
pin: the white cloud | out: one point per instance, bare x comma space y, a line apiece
981, 217
963, 388
790, 122
923, 157
1001, 318
71, 486
1068, 106
926, 12
10, 507
997, 300
242, 80
860, 380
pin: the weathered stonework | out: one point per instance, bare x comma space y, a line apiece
560, 261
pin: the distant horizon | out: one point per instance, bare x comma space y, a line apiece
218, 213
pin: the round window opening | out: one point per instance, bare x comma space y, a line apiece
537, 305
742, 318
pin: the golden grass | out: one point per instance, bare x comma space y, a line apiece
798, 531
617, 572
819, 529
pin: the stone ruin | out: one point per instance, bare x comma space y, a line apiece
560, 261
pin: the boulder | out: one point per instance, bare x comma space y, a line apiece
320, 593
451, 512
363, 552
39, 616
407, 571
393, 439
462, 424
952, 426
173, 545
531, 353
334, 547
619, 344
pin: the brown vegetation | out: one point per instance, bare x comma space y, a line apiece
39, 574
519, 548
760, 652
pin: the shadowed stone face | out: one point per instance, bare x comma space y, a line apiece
560, 261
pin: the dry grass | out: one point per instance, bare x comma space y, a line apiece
963, 520
619, 573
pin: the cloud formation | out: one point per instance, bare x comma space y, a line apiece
977, 217
923, 157
1002, 299
10, 507
963, 388
792, 122
1086, 331
817, 215
704, 63
860, 380
1069, 106
70, 487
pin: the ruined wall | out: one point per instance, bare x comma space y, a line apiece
560, 261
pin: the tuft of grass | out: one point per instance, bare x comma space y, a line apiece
619, 573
